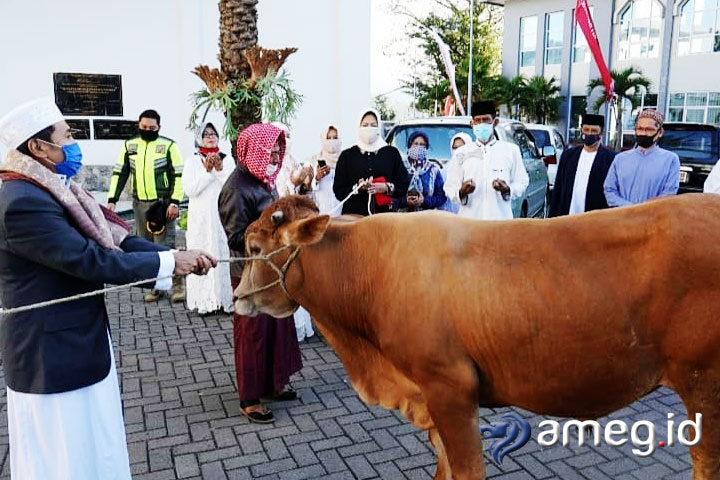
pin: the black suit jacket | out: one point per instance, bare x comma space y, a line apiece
565, 181
43, 256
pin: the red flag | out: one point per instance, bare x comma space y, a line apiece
582, 16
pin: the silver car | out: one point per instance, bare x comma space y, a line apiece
440, 131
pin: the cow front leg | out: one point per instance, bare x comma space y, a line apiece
443, 471
453, 406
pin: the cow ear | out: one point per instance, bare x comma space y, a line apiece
307, 231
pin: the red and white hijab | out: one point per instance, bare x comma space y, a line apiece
254, 147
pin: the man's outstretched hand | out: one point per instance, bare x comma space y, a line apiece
193, 261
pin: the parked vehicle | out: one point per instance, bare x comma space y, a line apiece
548, 136
441, 129
698, 147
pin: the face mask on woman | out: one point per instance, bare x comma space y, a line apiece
332, 145
369, 135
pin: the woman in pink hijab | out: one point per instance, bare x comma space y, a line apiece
266, 348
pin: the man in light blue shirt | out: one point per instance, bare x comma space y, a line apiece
647, 171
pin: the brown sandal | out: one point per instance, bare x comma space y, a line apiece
258, 414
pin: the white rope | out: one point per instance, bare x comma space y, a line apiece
57, 301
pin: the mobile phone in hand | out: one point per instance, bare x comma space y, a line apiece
322, 163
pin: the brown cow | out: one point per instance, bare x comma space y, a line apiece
575, 317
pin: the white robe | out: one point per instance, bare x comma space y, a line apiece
205, 231
483, 164
284, 186
323, 193
712, 184
78, 435
582, 177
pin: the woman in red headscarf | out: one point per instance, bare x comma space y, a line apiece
266, 348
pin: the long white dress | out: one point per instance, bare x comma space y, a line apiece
78, 435
204, 231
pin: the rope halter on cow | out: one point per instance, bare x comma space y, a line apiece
280, 271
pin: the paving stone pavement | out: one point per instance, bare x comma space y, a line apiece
182, 418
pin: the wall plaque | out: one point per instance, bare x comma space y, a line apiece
115, 129
80, 128
88, 94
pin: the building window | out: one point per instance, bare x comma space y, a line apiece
694, 107
640, 25
581, 51
644, 100
554, 38
578, 108
528, 41
699, 27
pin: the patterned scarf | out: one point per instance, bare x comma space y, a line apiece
417, 166
94, 221
254, 147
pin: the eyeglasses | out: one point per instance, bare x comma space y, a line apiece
646, 130
209, 135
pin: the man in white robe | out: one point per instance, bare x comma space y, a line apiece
487, 175
64, 409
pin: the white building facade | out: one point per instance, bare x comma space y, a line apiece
676, 44
154, 45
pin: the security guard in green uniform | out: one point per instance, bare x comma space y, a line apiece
156, 167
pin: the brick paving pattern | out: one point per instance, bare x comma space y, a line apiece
182, 418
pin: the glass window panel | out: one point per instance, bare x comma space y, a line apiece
676, 114
689, 7
651, 100
654, 49
701, 44
716, 46
685, 24
655, 27
695, 116
581, 55
713, 116
677, 99
714, 99
683, 47
640, 30
703, 22
635, 50
528, 59
696, 99
642, 9
553, 56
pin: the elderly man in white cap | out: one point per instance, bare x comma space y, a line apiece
64, 412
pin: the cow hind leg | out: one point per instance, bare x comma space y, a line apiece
700, 391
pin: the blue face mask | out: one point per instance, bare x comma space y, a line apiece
483, 132
73, 159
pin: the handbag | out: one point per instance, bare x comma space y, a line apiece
381, 199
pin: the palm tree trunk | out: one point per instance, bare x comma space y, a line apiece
238, 31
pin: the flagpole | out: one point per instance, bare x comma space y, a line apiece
470, 63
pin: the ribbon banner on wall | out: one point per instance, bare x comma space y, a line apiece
584, 20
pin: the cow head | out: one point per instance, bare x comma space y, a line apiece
288, 224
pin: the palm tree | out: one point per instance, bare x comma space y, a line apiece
629, 84
508, 92
541, 99
238, 32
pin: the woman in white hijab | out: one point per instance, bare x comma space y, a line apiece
374, 163
294, 178
324, 164
204, 175
457, 142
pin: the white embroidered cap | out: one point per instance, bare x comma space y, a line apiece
28, 119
